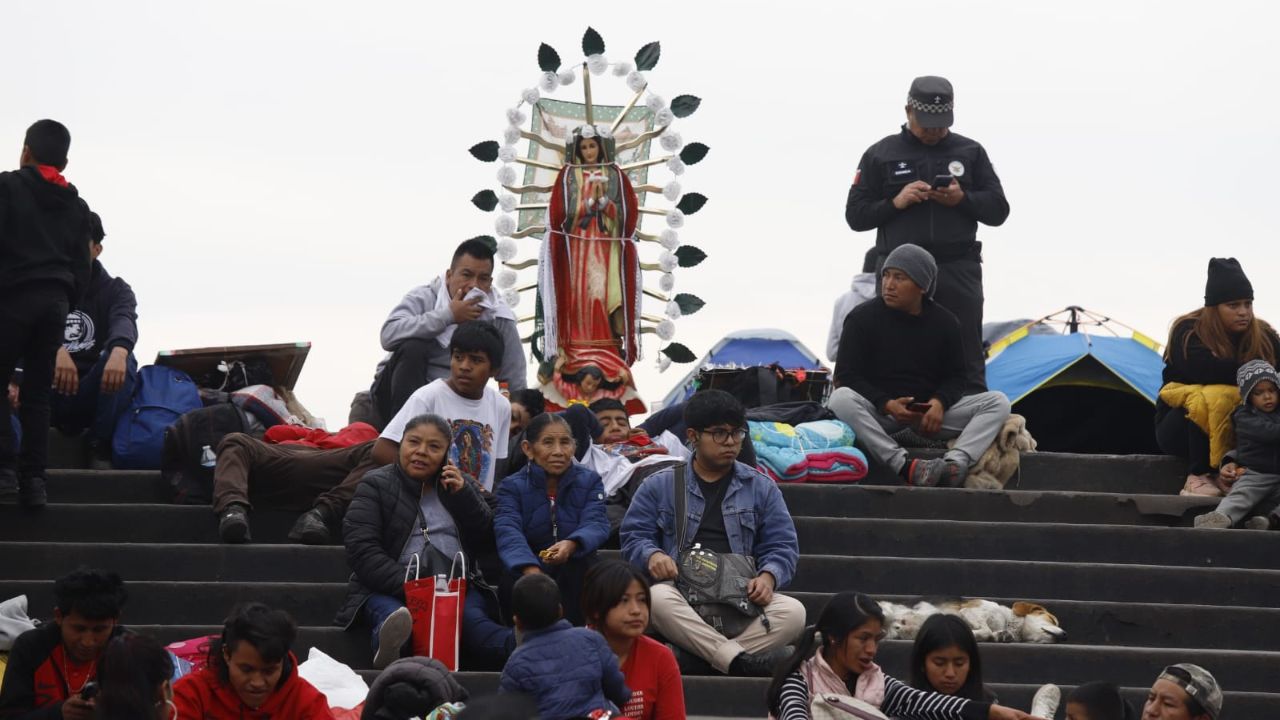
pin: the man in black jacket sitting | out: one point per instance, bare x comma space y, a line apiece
901, 365
95, 370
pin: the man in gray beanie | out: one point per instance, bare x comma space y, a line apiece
1253, 468
901, 365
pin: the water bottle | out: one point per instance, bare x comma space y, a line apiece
442, 584
207, 457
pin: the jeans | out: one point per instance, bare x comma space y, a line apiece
486, 643
90, 408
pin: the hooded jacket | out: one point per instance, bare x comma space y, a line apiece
411, 687
34, 685
44, 233
202, 695
106, 318
526, 523
949, 233
1257, 440
379, 520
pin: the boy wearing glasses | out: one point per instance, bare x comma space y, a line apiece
731, 508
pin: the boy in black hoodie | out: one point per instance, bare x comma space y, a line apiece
95, 371
44, 267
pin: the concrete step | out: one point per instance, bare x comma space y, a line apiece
1095, 623
1124, 544
169, 562
1088, 623
823, 536
1096, 508
1013, 578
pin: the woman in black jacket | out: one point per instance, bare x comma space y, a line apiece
1206, 347
422, 505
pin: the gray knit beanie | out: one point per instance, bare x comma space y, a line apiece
1252, 373
917, 263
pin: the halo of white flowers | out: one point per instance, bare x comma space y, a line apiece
511, 297
505, 225
597, 64
667, 282
507, 249
505, 279
508, 202
669, 239
666, 330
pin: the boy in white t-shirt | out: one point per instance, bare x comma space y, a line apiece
478, 414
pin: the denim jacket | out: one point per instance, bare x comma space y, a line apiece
755, 519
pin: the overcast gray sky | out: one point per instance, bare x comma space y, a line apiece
279, 171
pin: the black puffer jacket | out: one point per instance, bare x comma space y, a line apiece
411, 687
382, 515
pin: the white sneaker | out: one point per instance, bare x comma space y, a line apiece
392, 636
1045, 702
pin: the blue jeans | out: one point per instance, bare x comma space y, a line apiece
486, 643
90, 407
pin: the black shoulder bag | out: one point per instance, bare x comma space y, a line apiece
714, 584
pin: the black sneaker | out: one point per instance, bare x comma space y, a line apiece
32, 493
689, 663
926, 473
8, 487
312, 527
233, 525
759, 664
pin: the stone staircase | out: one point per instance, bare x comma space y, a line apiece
1103, 542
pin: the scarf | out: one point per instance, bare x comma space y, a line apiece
493, 305
50, 173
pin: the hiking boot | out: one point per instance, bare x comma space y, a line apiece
1045, 702
31, 492
233, 526
760, 664
392, 636
1214, 520
926, 473
8, 487
312, 527
1202, 485
1259, 522
953, 475
689, 663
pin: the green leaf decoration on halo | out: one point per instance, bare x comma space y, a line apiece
685, 105
488, 240
486, 151
693, 153
548, 58
687, 256
486, 200
592, 43
679, 353
647, 57
691, 203
689, 304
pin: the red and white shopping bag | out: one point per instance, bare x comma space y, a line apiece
436, 604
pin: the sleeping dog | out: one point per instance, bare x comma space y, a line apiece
990, 622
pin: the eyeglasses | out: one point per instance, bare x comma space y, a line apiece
725, 437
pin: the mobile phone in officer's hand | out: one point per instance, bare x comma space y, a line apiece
942, 181
89, 691
919, 407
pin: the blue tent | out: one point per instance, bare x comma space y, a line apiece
1080, 391
749, 348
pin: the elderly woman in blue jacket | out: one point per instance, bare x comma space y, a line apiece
551, 513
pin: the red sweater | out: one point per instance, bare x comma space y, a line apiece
203, 696
654, 678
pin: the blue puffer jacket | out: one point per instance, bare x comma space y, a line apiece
570, 672
524, 524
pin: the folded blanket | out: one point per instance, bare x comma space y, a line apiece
1210, 408
818, 451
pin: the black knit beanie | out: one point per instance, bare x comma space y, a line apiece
1227, 282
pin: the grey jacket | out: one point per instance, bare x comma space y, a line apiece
416, 317
1257, 440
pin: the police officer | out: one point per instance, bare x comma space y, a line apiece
931, 187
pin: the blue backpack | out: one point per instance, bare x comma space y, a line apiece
162, 396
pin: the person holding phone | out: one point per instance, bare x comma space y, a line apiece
901, 365
931, 187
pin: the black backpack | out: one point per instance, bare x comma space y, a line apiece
766, 385
182, 463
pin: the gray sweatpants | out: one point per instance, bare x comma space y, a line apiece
1253, 494
975, 420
